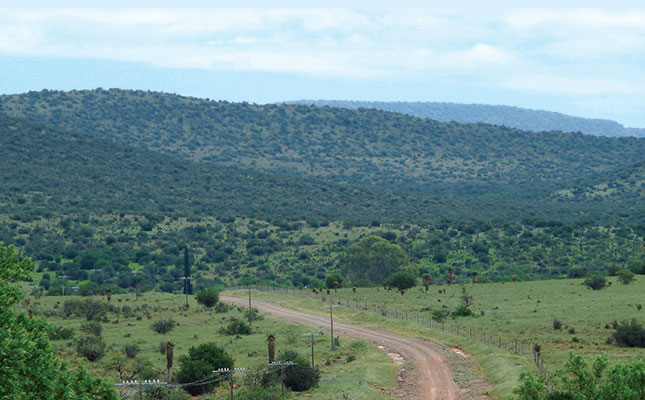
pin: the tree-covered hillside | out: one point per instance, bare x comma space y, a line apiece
364, 147
513, 117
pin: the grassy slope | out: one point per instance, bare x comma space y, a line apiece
361, 379
523, 310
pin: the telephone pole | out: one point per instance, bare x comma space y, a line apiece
282, 365
230, 372
313, 335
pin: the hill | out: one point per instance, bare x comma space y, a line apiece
513, 117
362, 147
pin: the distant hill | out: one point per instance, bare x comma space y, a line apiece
360, 147
513, 117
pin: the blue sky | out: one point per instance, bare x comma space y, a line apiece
586, 62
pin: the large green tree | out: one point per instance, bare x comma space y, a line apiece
30, 369
372, 260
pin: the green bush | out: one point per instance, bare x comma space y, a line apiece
401, 280
131, 350
236, 327
92, 328
60, 333
254, 314
595, 282
163, 325
208, 297
625, 276
200, 363
630, 334
300, 377
91, 347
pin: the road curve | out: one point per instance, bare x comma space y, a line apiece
434, 378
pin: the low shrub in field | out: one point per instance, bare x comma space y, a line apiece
630, 334
131, 350
625, 276
208, 297
92, 328
90, 309
163, 325
595, 282
557, 324
60, 333
91, 347
440, 315
200, 363
254, 314
236, 327
300, 377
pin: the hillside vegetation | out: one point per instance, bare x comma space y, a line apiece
513, 117
365, 147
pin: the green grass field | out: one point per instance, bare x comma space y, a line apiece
522, 310
369, 376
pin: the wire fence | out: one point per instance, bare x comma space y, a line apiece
513, 345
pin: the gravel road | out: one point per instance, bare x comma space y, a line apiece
434, 380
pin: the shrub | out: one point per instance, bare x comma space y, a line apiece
440, 315
401, 280
91, 347
90, 309
200, 363
208, 297
92, 328
163, 325
557, 325
625, 276
595, 282
131, 350
60, 333
254, 314
302, 376
630, 334
237, 327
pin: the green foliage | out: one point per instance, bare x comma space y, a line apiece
208, 297
163, 326
401, 280
30, 370
333, 281
372, 259
463, 309
60, 333
596, 282
253, 315
131, 350
625, 276
92, 328
576, 382
91, 347
630, 334
237, 327
302, 376
90, 309
200, 363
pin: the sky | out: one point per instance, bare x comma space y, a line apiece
585, 62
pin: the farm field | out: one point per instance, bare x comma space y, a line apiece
356, 368
522, 310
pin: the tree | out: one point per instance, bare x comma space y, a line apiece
30, 369
333, 281
625, 276
207, 297
299, 377
630, 334
372, 259
401, 280
427, 281
576, 382
200, 363
595, 282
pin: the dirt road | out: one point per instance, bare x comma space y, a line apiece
434, 380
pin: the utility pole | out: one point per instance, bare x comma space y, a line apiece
313, 335
136, 280
282, 365
230, 372
331, 318
250, 308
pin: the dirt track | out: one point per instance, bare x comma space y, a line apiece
434, 380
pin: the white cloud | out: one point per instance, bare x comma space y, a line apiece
535, 18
